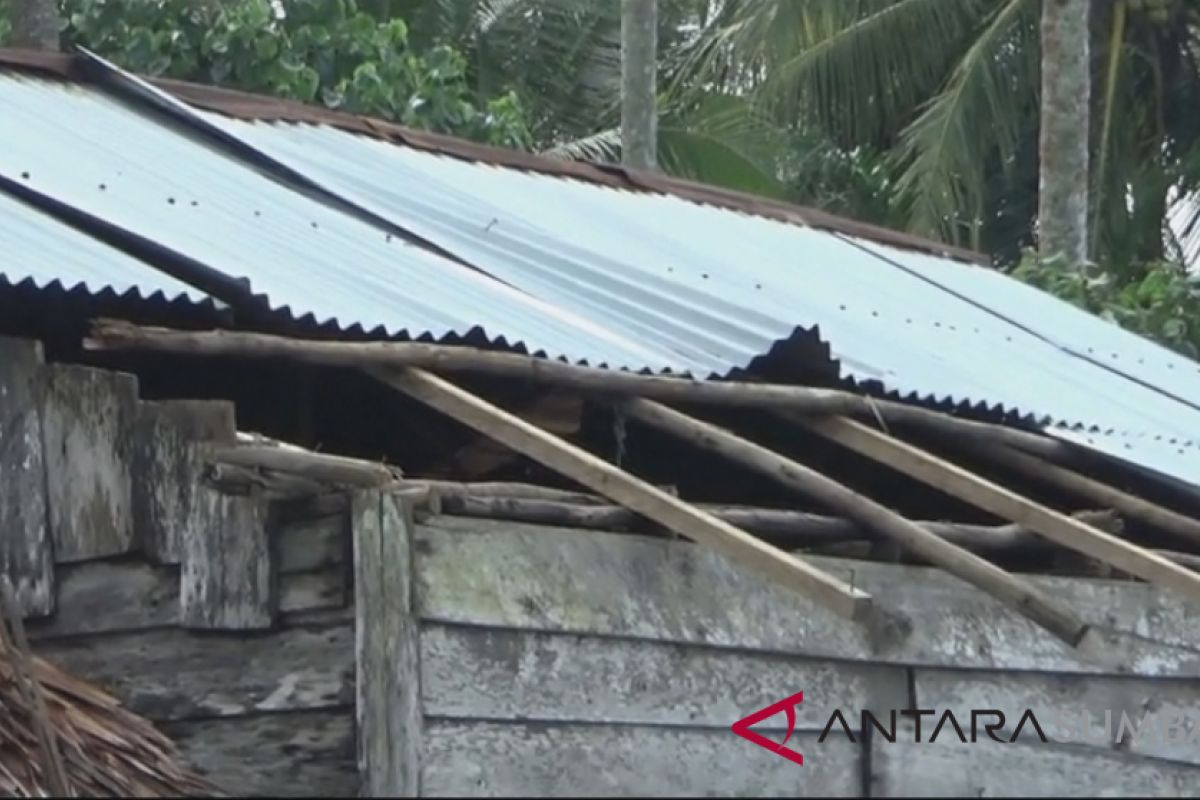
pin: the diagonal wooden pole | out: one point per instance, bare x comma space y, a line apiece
1033, 603
958, 482
629, 490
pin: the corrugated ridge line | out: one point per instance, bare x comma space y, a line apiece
259, 107
131, 86
103, 293
983, 307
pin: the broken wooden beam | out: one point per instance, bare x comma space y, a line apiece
1032, 602
628, 490
1005, 503
120, 335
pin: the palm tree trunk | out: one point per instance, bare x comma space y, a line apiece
639, 59
35, 24
1064, 137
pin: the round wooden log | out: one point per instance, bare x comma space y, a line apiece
109, 334
792, 527
1172, 522
1034, 603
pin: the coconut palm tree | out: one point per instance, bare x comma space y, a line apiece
563, 59
933, 102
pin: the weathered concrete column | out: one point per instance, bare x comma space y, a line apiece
386, 646
26, 554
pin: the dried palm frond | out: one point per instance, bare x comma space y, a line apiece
51, 722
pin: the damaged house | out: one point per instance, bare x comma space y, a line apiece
364, 461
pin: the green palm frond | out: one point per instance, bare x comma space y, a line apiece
859, 66
718, 140
601, 147
978, 114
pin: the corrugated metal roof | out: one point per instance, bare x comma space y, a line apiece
591, 273
36, 249
1069, 328
1157, 452
721, 286
152, 178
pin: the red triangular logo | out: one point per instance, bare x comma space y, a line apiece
788, 707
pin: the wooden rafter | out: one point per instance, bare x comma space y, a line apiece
261, 453
1082, 486
402, 365
628, 490
1027, 599
1005, 503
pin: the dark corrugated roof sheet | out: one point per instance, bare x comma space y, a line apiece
563, 262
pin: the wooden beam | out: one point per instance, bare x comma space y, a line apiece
387, 666
557, 412
121, 335
305, 463
628, 490
1030, 601
1082, 486
793, 527
231, 479
958, 482
528, 491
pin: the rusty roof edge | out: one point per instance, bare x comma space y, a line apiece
248, 106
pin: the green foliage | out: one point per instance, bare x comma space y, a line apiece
324, 51
1160, 301
854, 183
